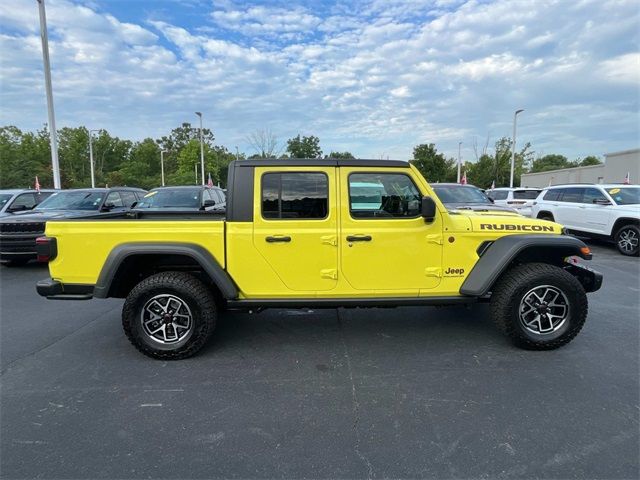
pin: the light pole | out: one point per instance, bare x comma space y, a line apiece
201, 150
513, 153
93, 175
47, 81
162, 152
196, 169
237, 154
459, 145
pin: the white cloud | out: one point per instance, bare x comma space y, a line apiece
374, 77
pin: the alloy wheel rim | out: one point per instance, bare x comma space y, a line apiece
166, 319
543, 310
628, 240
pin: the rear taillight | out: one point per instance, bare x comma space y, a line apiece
46, 249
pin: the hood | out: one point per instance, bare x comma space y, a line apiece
628, 209
44, 215
477, 207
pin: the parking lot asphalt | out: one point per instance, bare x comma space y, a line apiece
404, 393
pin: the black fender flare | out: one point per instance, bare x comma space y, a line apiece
496, 258
203, 257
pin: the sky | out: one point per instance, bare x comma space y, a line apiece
373, 77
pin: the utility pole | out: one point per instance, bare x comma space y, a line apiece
91, 163
513, 152
459, 160
201, 150
196, 168
55, 167
162, 152
237, 154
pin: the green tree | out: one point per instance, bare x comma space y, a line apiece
590, 160
550, 162
497, 167
141, 169
433, 165
304, 147
340, 155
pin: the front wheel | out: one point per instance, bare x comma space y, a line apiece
627, 240
539, 306
169, 316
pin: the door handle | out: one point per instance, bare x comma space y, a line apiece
278, 239
358, 238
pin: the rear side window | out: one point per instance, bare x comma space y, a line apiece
295, 195
573, 195
525, 194
499, 194
383, 195
553, 195
128, 198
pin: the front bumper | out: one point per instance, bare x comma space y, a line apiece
590, 279
55, 290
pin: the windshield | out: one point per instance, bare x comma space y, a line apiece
462, 195
625, 195
81, 200
183, 197
4, 198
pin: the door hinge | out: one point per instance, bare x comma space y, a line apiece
433, 272
330, 273
329, 240
435, 238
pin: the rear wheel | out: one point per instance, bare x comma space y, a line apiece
626, 239
169, 316
539, 306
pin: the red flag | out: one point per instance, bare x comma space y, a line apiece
463, 180
209, 182
37, 185
627, 179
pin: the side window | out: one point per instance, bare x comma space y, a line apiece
573, 195
553, 195
114, 199
25, 200
499, 194
295, 195
128, 198
221, 196
383, 195
592, 195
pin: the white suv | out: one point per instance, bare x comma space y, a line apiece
601, 211
521, 199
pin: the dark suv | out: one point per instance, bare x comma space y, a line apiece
187, 198
18, 232
19, 200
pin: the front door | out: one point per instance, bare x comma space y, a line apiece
386, 245
295, 226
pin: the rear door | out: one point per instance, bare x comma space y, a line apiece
295, 225
596, 217
570, 209
386, 245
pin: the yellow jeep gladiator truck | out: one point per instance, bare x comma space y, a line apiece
320, 233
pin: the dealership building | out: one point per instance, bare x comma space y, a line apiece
614, 170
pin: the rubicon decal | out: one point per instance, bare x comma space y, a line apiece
519, 228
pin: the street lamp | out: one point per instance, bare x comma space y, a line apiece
459, 145
162, 152
237, 153
93, 175
55, 166
199, 114
513, 153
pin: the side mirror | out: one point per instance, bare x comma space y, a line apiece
107, 207
601, 201
133, 205
428, 209
491, 200
209, 203
19, 208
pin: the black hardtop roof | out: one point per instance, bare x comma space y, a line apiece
319, 162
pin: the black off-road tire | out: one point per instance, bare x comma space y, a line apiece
200, 304
628, 236
512, 288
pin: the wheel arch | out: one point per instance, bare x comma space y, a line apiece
542, 213
515, 249
130, 263
621, 222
